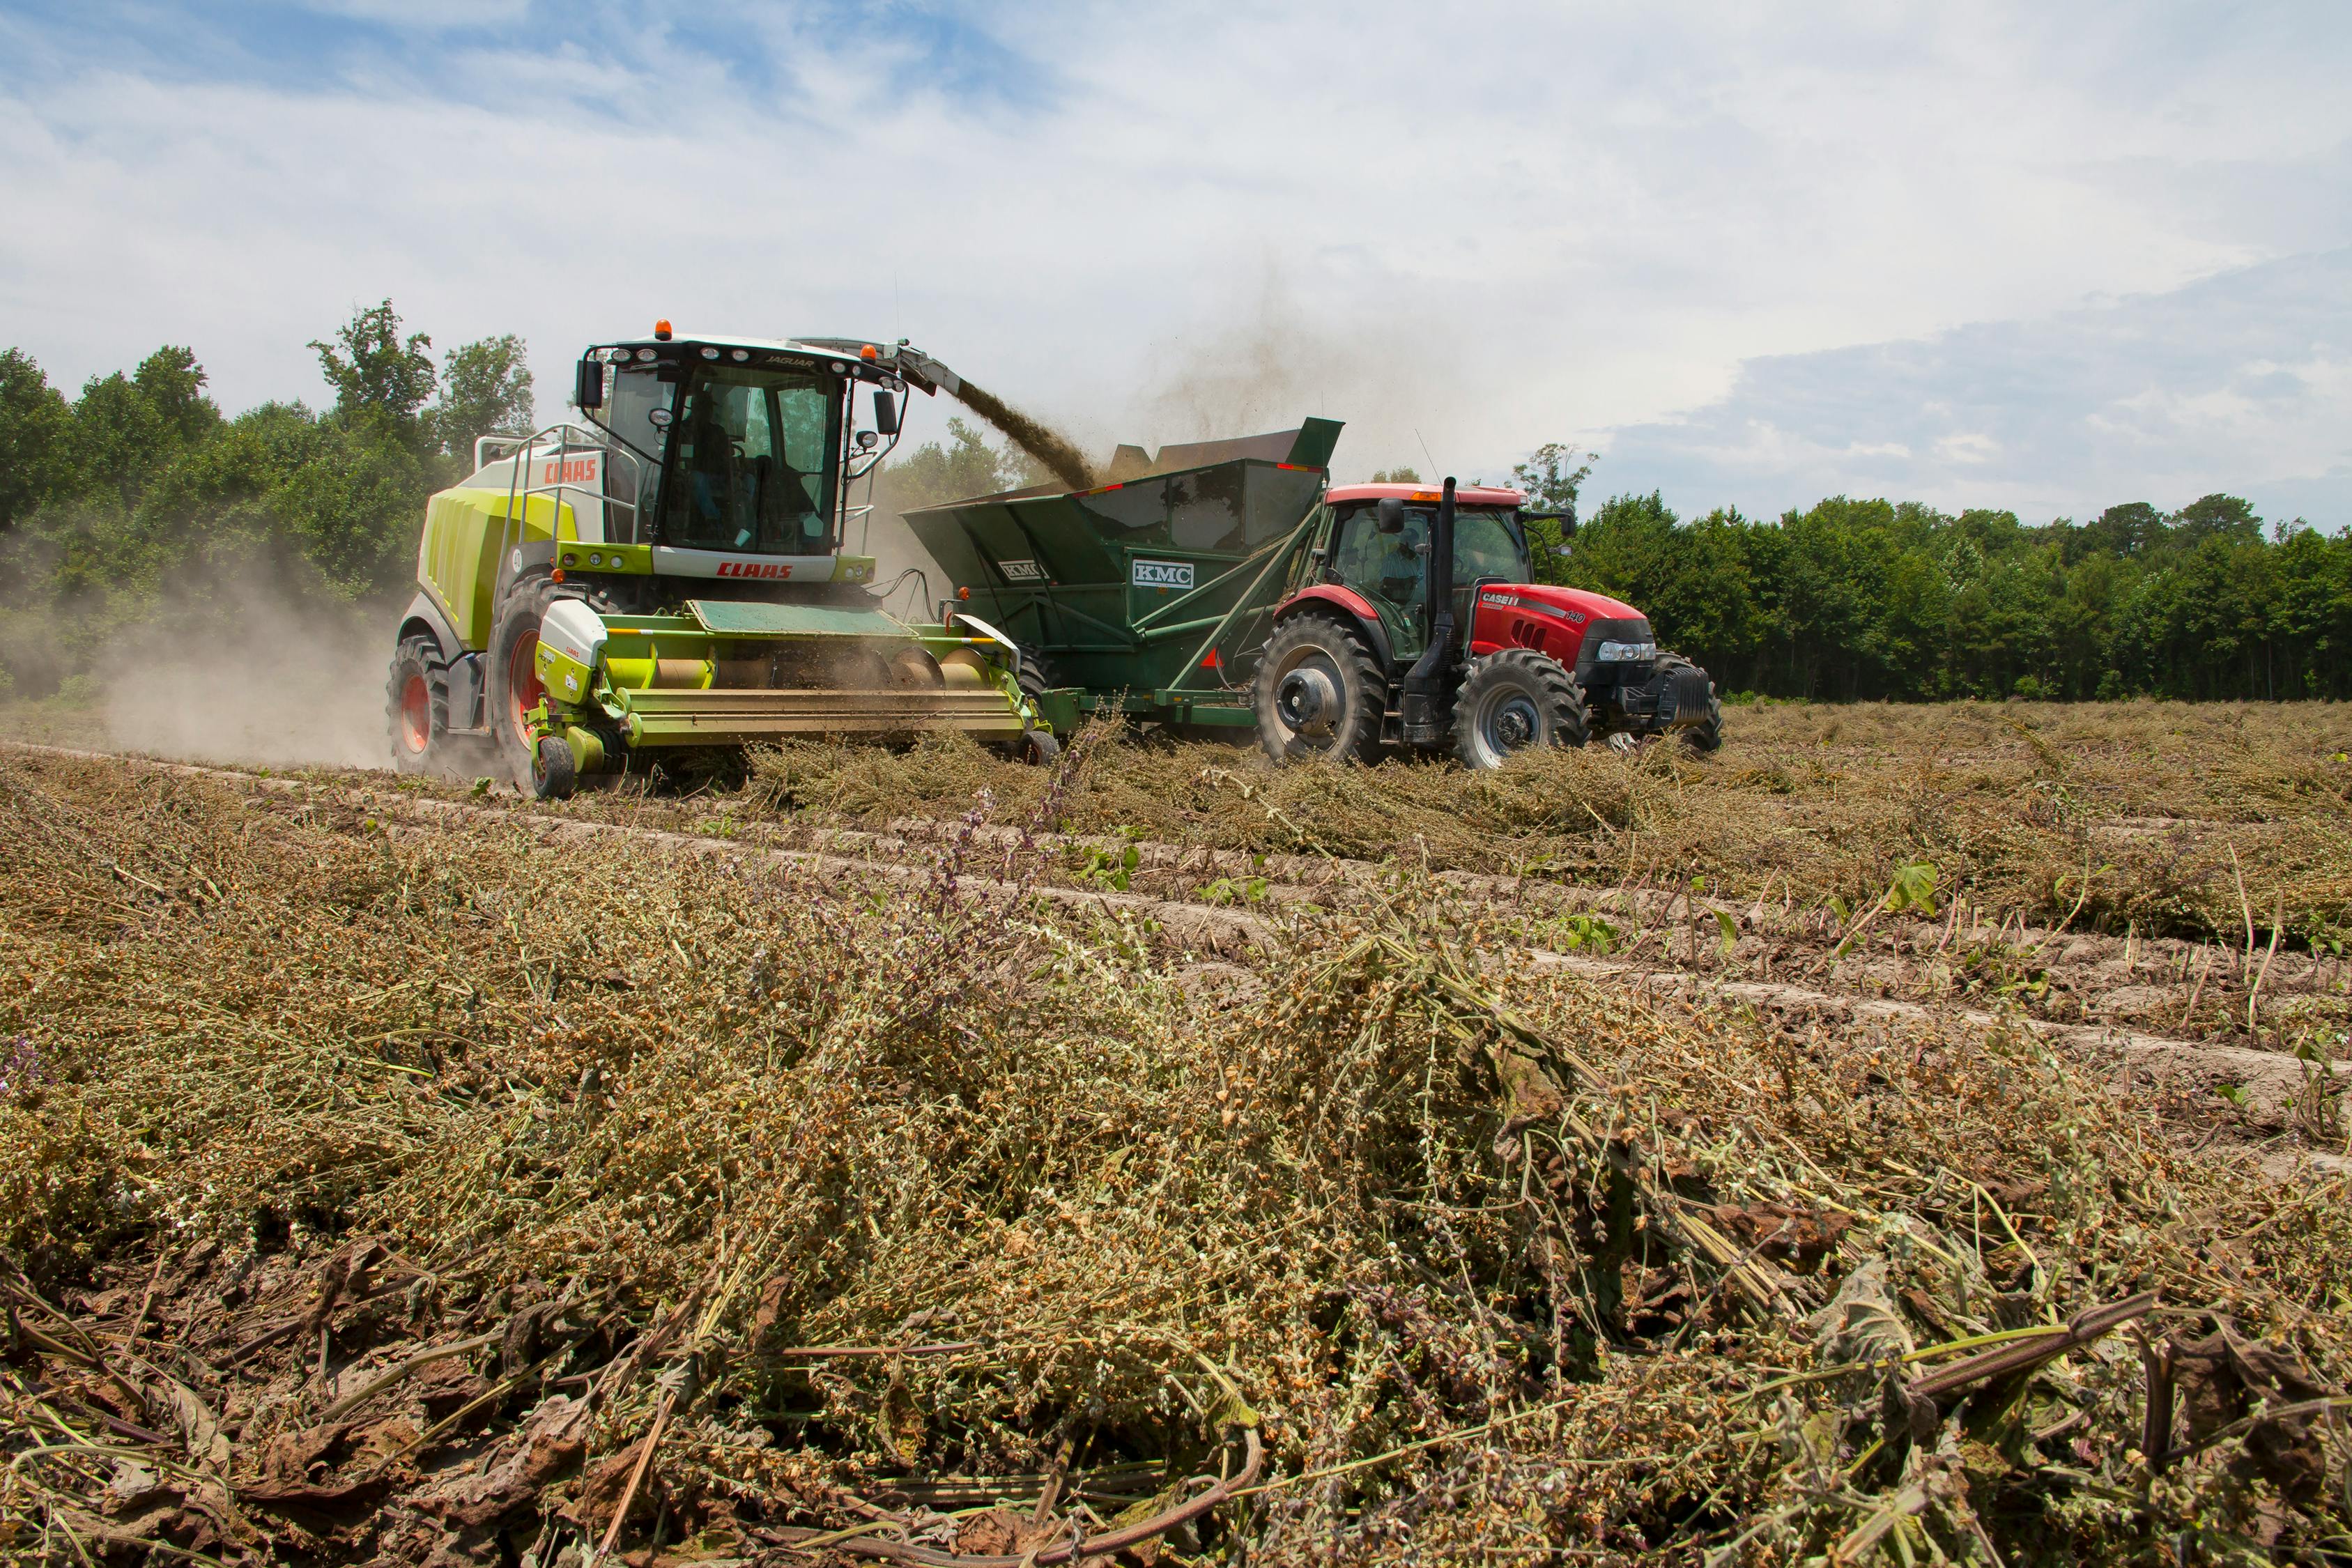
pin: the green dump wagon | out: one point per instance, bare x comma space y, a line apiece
1142, 595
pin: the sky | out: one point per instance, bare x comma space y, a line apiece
2014, 254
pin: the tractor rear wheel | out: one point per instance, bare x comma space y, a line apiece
1319, 693
418, 707
1513, 700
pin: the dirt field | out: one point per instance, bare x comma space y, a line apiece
1615, 1158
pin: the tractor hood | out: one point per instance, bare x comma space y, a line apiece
1575, 605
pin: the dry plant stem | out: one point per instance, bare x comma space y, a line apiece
637, 1475
402, 1372
2254, 995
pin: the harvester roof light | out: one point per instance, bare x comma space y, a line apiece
1299, 467
869, 352
740, 355
963, 592
839, 368
1428, 495
661, 329
644, 353
709, 352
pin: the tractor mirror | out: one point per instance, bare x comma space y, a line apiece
886, 414
589, 393
1391, 515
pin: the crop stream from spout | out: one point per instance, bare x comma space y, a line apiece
1047, 446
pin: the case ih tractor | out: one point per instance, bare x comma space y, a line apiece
669, 575
1417, 623
1224, 586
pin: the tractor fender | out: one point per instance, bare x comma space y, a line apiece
1352, 606
424, 618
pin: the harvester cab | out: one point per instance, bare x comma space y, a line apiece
1415, 620
670, 572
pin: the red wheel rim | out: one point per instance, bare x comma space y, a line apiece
415, 714
523, 691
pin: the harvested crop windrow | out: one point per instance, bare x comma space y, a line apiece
904, 1209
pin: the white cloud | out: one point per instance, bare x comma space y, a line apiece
1472, 228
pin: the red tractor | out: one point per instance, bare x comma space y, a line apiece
1416, 624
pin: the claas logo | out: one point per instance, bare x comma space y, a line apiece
755, 568
568, 471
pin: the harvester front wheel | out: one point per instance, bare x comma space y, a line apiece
418, 707
1319, 693
514, 684
1512, 701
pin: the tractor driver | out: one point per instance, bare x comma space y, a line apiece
1401, 566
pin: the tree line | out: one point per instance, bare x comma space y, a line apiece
141, 493
1861, 599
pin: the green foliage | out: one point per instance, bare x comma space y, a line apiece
139, 500
376, 374
1871, 599
1396, 475
965, 466
486, 390
37, 448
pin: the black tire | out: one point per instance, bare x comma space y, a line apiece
1513, 700
555, 773
1319, 692
1708, 734
1031, 673
416, 708
1038, 748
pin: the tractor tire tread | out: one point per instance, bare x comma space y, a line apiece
1552, 684
1359, 670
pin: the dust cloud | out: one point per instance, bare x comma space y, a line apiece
257, 674
1271, 360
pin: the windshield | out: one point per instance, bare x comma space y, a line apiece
750, 463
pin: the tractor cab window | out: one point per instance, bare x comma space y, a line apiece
1486, 543
750, 465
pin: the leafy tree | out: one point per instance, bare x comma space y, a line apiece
376, 374
130, 428
1550, 486
1396, 477
966, 465
37, 459
486, 389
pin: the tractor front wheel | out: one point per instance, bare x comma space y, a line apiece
416, 708
1515, 699
1319, 693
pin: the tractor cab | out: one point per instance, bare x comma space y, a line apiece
1382, 552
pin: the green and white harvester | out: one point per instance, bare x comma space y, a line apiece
667, 572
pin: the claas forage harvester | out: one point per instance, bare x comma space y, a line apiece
667, 573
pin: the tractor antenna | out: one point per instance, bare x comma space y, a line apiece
1424, 451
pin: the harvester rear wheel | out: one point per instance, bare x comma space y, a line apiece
418, 707
1708, 734
1515, 699
1319, 693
